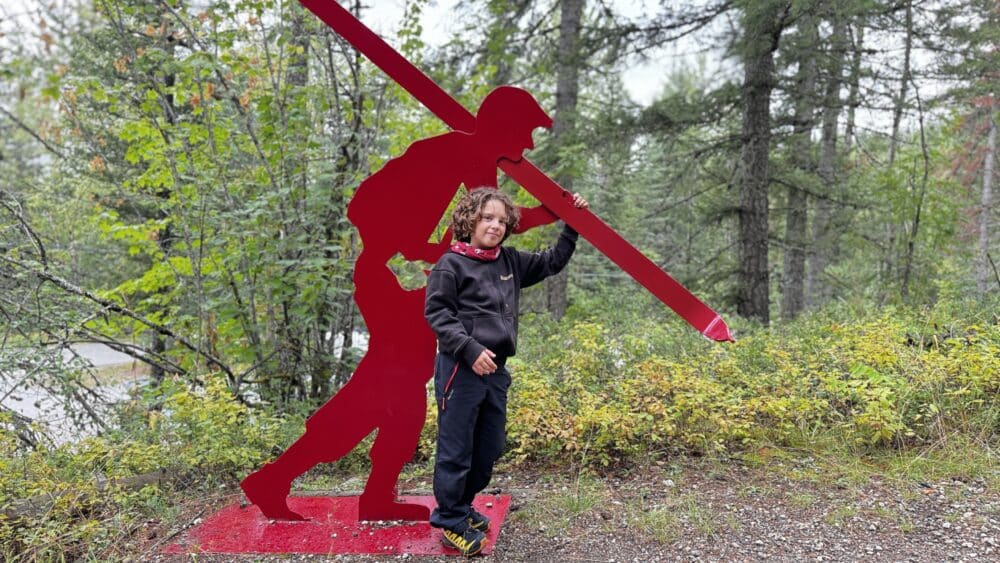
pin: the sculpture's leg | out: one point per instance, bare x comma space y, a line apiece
331, 433
394, 446
268, 487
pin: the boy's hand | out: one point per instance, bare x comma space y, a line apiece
484, 363
579, 202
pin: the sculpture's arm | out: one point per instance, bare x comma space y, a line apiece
532, 217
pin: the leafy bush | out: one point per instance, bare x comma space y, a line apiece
200, 433
892, 379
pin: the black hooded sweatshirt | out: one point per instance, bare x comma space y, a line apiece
473, 305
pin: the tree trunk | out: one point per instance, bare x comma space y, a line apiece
984, 267
763, 27
564, 123
921, 196
904, 83
165, 238
855, 84
796, 213
888, 263
825, 235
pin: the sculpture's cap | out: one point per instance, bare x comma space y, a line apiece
506, 119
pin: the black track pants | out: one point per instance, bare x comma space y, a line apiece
472, 415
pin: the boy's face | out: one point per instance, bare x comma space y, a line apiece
491, 225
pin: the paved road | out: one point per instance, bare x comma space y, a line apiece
100, 355
38, 404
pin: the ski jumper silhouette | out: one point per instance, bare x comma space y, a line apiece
397, 210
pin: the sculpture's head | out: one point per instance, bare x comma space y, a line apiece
505, 121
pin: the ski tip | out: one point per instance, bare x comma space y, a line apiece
718, 330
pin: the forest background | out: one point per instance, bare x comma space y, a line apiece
173, 183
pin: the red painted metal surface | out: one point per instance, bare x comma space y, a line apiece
332, 527
548, 192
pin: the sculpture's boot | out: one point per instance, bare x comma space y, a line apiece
269, 491
372, 507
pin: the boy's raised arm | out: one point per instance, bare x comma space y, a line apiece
536, 266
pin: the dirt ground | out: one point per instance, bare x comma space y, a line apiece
706, 511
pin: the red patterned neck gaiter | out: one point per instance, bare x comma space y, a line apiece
482, 254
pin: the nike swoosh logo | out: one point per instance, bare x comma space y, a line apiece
507, 277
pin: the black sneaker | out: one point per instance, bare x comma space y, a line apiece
468, 543
479, 521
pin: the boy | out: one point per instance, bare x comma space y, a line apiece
472, 306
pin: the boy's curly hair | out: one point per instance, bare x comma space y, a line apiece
469, 210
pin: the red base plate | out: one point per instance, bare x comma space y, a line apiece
332, 527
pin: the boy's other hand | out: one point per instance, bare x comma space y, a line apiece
484, 363
579, 202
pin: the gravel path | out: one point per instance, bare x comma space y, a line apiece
727, 512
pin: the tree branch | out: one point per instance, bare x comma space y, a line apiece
31, 132
114, 307
27, 229
996, 273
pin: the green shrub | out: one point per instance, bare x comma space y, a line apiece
879, 381
201, 433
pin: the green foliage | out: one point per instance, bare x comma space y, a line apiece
187, 428
193, 164
201, 434
893, 379
598, 394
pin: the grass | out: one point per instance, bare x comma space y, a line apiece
897, 518
801, 500
660, 522
664, 519
553, 512
419, 470
700, 516
838, 515
885, 513
335, 483
751, 491
956, 456
953, 516
826, 459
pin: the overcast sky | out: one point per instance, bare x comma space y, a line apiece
643, 80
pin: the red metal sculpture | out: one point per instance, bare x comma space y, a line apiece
397, 211
553, 197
